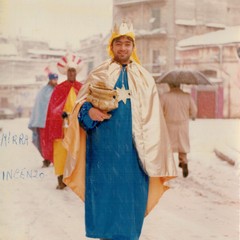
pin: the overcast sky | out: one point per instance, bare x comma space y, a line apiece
58, 21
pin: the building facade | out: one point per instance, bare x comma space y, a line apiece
93, 51
160, 24
22, 68
217, 56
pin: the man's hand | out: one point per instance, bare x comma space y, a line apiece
98, 115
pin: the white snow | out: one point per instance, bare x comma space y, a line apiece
143, 32
8, 49
204, 206
188, 22
59, 53
226, 36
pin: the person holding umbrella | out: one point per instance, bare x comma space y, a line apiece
178, 107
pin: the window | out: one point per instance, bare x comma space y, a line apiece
238, 52
155, 20
90, 66
4, 102
156, 61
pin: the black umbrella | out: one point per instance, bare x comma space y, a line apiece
184, 77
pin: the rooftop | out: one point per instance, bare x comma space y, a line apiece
221, 37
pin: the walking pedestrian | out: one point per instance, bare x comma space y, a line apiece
60, 105
178, 107
37, 121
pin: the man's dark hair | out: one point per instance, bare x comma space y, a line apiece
117, 38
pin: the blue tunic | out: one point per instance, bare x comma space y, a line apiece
116, 186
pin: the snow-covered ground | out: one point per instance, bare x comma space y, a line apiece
204, 206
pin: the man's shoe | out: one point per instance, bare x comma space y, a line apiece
61, 185
184, 169
46, 163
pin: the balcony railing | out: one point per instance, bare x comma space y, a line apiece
150, 32
155, 69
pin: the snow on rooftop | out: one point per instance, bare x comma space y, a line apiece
188, 22
143, 32
47, 52
8, 49
216, 25
226, 36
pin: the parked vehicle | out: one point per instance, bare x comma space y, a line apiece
7, 113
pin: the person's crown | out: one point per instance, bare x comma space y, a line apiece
123, 28
69, 61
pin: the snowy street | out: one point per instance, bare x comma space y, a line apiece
203, 206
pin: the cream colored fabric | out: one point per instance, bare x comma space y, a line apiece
103, 98
149, 130
178, 107
75, 143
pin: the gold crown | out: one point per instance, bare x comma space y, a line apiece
123, 28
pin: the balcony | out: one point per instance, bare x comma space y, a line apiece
130, 2
158, 32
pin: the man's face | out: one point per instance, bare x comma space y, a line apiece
54, 82
122, 49
71, 74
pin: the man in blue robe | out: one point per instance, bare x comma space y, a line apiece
118, 160
39, 113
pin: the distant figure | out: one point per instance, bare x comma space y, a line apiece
19, 111
60, 105
178, 107
38, 116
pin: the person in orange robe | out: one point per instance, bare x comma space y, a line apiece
60, 105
